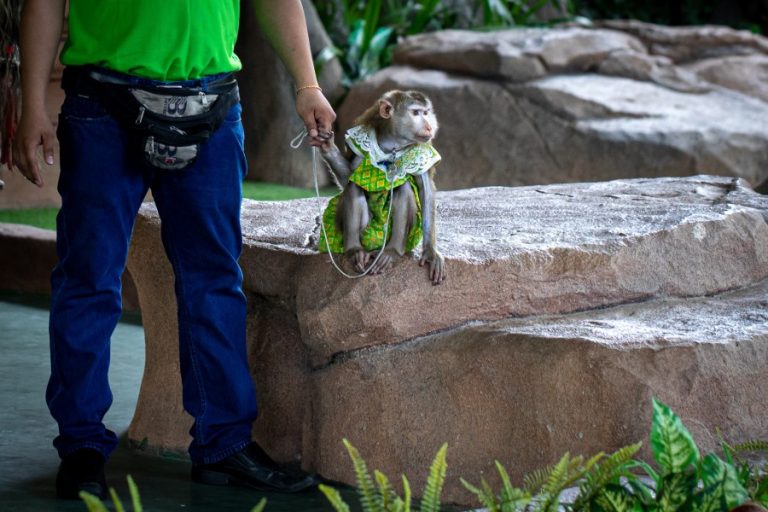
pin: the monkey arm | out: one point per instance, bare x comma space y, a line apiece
339, 165
430, 254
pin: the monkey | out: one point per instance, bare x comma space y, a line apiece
392, 156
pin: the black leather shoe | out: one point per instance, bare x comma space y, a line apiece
252, 467
81, 470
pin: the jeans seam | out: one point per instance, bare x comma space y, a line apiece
190, 345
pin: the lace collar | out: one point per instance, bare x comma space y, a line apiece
414, 159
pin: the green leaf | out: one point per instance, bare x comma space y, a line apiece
325, 56
371, 61
334, 498
615, 498
675, 490
430, 502
671, 443
260, 505
485, 496
423, 17
601, 475
406, 495
720, 479
133, 489
388, 496
116, 501
369, 499
372, 13
93, 503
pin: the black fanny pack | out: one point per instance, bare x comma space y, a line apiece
171, 121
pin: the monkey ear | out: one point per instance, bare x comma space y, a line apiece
385, 109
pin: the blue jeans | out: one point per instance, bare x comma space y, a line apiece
102, 183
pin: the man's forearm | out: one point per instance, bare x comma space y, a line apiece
41, 24
284, 25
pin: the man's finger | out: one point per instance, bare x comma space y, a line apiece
48, 139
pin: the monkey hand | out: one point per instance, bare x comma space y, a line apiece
387, 258
358, 257
437, 273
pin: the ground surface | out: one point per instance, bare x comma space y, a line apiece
28, 461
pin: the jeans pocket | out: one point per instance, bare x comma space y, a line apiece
82, 108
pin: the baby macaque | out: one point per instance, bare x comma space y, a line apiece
392, 156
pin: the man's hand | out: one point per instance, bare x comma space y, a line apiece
35, 129
318, 117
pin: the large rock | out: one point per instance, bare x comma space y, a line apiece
27, 257
515, 356
622, 100
586, 127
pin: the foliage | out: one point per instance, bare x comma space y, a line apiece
365, 33
381, 496
683, 481
94, 504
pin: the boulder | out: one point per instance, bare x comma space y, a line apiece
747, 74
566, 309
621, 99
27, 257
570, 128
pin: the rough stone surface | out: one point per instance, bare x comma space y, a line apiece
27, 257
618, 100
515, 357
744, 73
585, 127
686, 44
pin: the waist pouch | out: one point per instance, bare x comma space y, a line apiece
171, 121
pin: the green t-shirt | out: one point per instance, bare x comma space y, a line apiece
163, 40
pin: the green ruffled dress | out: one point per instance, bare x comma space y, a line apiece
377, 174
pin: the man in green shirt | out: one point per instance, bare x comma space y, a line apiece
180, 55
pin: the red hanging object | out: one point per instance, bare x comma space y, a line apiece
9, 123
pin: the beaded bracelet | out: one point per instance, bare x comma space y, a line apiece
312, 86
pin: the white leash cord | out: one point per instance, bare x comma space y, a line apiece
295, 144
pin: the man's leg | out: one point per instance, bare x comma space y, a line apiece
200, 217
100, 193
200, 212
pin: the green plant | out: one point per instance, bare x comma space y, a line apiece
683, 480
365, 33
94, 504
382, 497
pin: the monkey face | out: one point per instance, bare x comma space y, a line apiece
419, 123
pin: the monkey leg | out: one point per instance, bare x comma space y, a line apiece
354, 218
403, 217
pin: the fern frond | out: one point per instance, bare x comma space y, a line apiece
535, 480
485, 496
431, 500
559, 476
389, 498
406, 495
133, 489
751, 446
116, 500
334, 498
369, 499
260, 505
614, 466
93, 503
